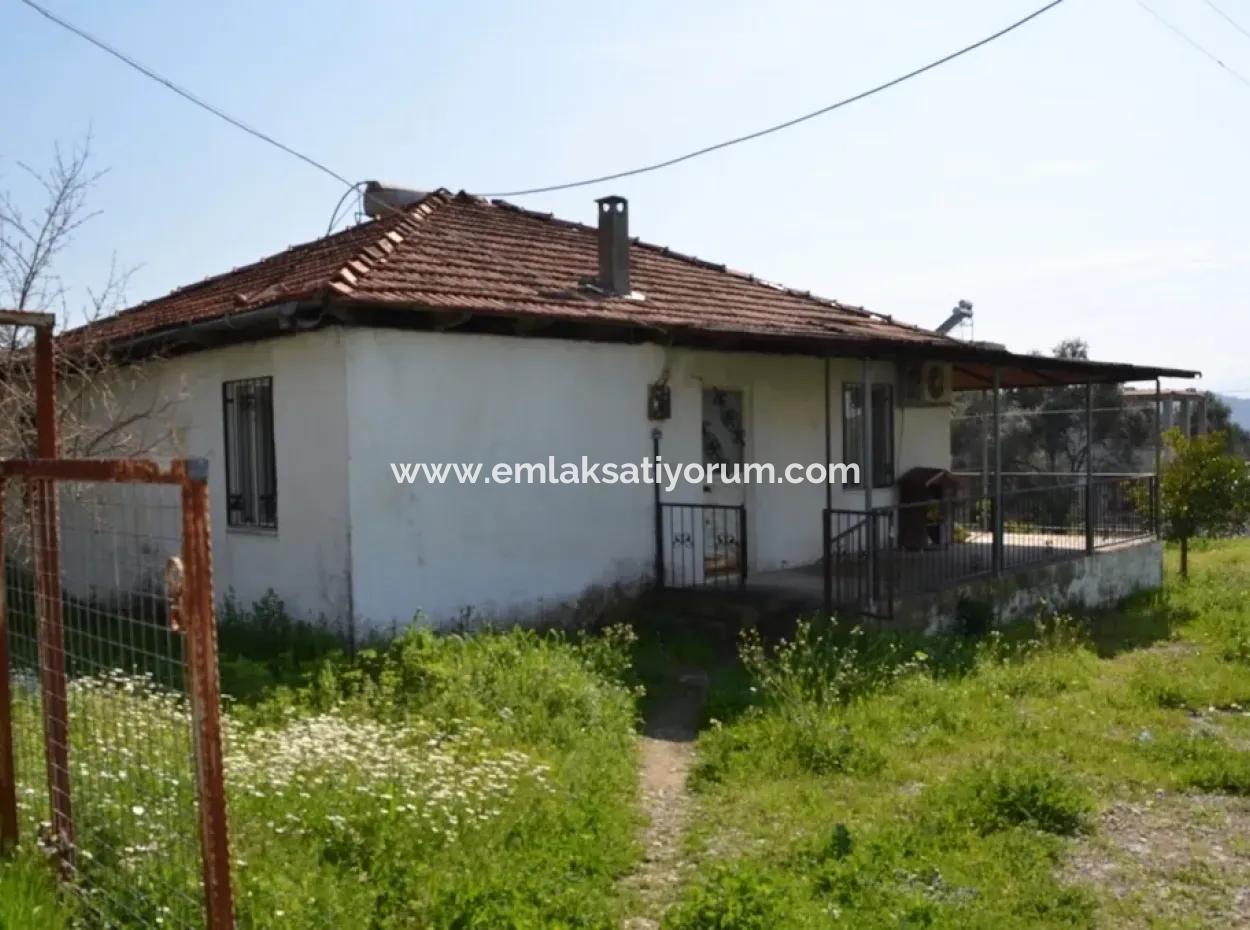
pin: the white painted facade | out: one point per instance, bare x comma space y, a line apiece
353, 543
306, 560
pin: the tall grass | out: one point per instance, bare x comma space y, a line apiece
29, 899
886, 780
440, 781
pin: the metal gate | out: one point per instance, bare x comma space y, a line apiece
110, 722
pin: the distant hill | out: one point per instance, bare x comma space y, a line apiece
1240, 407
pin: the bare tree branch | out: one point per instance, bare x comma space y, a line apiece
104, 408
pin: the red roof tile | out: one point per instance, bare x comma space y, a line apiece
459, 252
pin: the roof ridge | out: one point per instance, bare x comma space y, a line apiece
366, 259
686, 257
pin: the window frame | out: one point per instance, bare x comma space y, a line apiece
883, 465
261, 481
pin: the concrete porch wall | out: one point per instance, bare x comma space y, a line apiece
1091, 581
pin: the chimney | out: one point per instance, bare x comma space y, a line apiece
614, 245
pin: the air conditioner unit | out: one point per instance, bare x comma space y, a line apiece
926, 384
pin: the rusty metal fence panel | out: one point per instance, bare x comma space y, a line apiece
110, 730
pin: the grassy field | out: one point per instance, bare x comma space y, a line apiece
1071, 774
1062, 774
459, 782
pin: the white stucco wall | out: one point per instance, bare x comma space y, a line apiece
352, 544
305, 559
491, 552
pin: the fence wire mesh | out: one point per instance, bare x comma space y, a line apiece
105, 728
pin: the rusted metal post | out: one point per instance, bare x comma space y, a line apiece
45, 393
45, 533
204, 689
8, 764
41, 493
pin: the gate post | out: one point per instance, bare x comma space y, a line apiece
46, 537
826, 517
8, 765
659, 511
204, 689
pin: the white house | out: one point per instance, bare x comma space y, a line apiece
450, 329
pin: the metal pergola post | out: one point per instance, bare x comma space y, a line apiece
1158, 455
866, 480
996, 551
658, 510
1089, 467
825, 528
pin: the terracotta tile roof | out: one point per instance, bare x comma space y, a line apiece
461, 253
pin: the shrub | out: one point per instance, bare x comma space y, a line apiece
743, 896
1230, 631
998, 796
543, 688
262, 646
1202, 761
826, 666
974, 617
1155, 681
803, 739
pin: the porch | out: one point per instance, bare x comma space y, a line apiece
876, 564
930, 530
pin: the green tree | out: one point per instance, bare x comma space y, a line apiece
1044, 430
1220, 418
1204, 489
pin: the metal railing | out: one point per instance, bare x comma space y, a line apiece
853, 568
871, 559
1124, 510
702, 545
1043, 523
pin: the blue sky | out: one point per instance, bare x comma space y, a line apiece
1084, 176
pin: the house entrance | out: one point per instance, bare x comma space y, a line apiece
724, 445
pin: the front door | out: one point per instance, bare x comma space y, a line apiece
724, 445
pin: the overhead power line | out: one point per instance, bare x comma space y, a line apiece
1202, 50
738, 140
183, 92
352, 186
1232, 22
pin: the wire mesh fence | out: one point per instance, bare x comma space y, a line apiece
112, 693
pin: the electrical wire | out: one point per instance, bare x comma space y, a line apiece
183, 92
1232, 22
353, 186
668, 163
1193, 44
334, 217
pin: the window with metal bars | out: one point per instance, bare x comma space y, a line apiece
251, 476
882, 430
